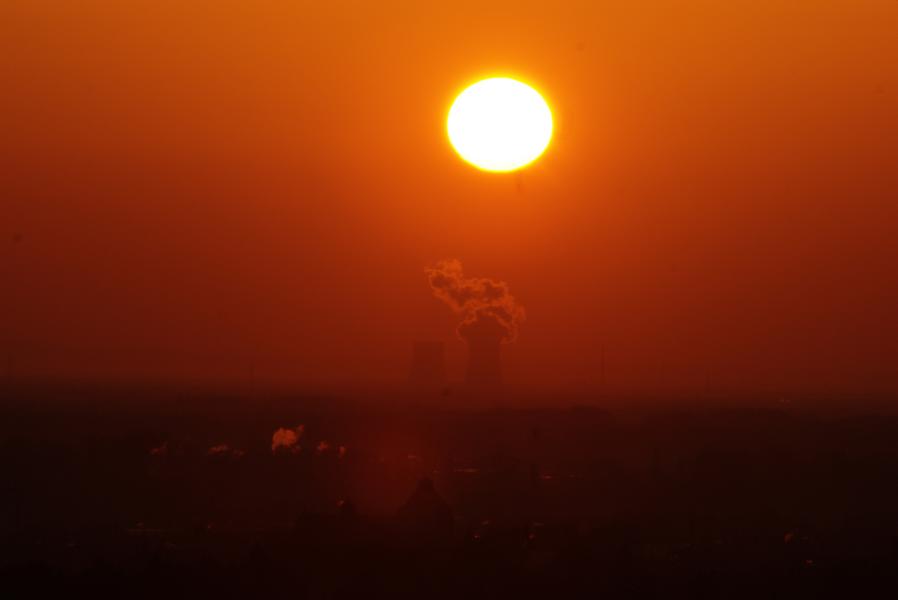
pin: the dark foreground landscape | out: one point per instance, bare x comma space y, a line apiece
118, 492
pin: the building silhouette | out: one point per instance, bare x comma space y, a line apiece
425, 518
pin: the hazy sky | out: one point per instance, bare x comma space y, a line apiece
205, 186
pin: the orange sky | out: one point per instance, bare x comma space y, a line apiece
204, 186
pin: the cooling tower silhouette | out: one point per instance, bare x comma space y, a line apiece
484, 338
428, 364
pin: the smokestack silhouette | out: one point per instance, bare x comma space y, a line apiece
428, 364
490, 317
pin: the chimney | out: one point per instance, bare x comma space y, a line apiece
428, 364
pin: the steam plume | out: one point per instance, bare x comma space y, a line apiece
225, 450
286, 439
160, 450
482, 303
219, 450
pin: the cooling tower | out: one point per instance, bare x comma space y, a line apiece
428, 364
484, 338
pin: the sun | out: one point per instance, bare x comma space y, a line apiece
499, 124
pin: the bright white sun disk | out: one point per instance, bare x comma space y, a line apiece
499, 124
